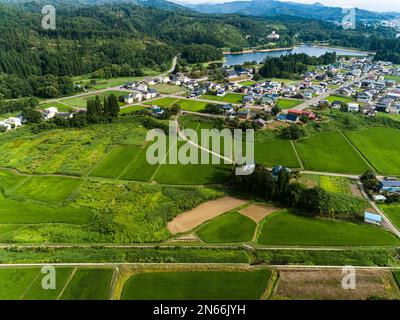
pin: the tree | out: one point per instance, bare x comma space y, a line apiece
293, 132
32, 115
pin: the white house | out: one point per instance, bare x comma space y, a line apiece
365, 97
13, 122
142, 87
3, 124
129, 98
50, 113
273, 36
354, 107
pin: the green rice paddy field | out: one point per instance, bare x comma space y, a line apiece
287, 228
330, 152
381, 146
229, 97
393, 212
288, 103
71, 284
216, 285
184, 104
230, 227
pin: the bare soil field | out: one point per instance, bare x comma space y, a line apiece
204, 212
355, 190
257, 212
326, 284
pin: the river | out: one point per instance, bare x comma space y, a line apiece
240, 58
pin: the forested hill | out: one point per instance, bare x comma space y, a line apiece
273, 7
111, 40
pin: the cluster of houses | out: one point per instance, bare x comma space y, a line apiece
48, 113
10, 123
139, 92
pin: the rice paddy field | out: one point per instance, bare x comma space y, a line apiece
393, 212
229, 98
381, 146
228, 228
272, 152
114, 164
330, 152
184, 104
287, 228
51, 189
131, 109
333, 98
72, 283
211, 285
288, 103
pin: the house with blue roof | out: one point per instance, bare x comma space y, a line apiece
389, 186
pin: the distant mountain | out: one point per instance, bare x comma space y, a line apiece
159, 4
273, 7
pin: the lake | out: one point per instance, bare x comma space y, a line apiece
238, 59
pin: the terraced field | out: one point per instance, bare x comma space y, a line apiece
216, 285
71, 284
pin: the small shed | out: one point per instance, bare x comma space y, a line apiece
372, 218
379, 198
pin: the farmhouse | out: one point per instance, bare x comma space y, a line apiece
259, 122
228, 108
243, 113
299, 113
336, 104
273, 36
365, 97
13, 122
354, 107
50, 113
128, 98
5, 125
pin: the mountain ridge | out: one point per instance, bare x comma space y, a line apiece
273, 7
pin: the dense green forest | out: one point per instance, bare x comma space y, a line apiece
287, 66
114, 40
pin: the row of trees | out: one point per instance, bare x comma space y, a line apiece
98, 111
286, 189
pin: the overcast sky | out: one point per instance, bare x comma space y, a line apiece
375, 5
